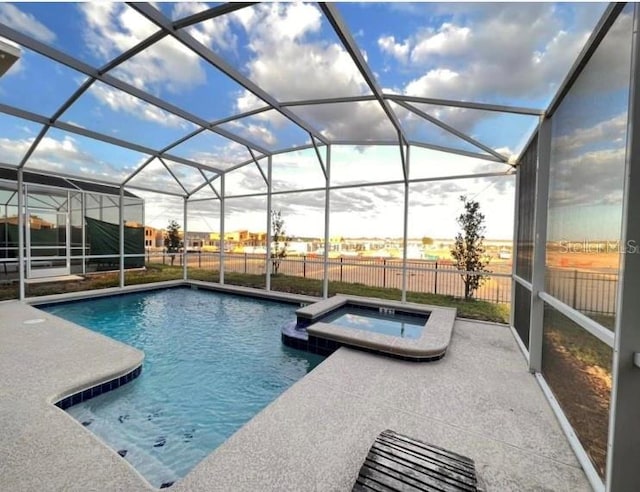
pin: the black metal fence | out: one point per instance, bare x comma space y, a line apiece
424, 276
589, 292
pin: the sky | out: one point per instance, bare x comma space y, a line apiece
511, 54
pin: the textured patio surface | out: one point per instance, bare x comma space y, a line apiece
479, 401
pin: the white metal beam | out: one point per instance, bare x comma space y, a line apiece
465, 104
205, 53
121, 236
207, 182
329, 100
71, 62
264, 177
604, 24
224, 9
449, 150
21, 227
452, 130
349, 43
186, 193
269, 238
405, 233
327, 224
538, 266
78, 130
185, 241
624, 439
222, 226
379, 183
320, 161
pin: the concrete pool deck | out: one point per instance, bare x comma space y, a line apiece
479, 400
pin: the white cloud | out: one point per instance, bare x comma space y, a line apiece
449, 40
247, 101
245, 180
289, 59
591, 178
65, 155
212, 32
493, 50
167, 65
26, 23
13, 150
388, 45
588, 165
295, 21
221, 157
117, 100
209, 32
611, 132
255, 132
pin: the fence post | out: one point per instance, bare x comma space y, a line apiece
384, 273
200, 259
435, 279
341, 269
575, 289
245, 262
304, 266
163, 257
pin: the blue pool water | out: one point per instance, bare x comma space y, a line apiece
212, 361
397, 325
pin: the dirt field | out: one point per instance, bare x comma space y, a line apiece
598, 262
584, 392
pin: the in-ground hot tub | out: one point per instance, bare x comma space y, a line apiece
408, 331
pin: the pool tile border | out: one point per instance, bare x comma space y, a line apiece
98, 389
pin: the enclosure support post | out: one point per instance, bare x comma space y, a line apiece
327, 215
221, 242
514, 248
268, 255
185, 242
539, 246
405, 228
146, 258
121, 233
68, 232
624, 439
83, 211
21, 222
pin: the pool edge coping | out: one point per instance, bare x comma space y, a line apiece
431, 344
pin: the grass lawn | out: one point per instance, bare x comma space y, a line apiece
479, 310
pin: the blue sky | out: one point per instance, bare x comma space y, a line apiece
512, 54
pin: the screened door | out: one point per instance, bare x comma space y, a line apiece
47, 234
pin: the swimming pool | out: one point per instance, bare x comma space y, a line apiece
212, 361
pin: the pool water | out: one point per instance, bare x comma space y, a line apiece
397, 325
212, 361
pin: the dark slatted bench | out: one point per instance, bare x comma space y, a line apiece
400, 463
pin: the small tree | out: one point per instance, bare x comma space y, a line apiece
172, 239
468, 250
427, 241
279, 239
